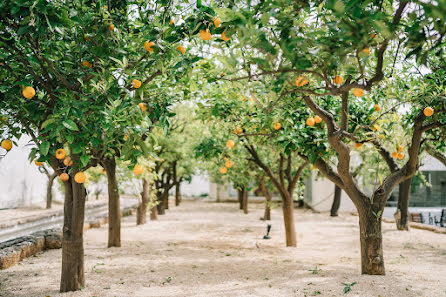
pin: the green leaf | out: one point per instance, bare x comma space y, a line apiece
44, 148
69, 124
84, 160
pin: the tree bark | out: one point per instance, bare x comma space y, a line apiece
154, 214
166, 199
177, 194
49, 190
288, 218
267, 195
114, 211
161, 204
336, 202
403, 205
141, 211
73, 278
245, 201
372, 259
240, 194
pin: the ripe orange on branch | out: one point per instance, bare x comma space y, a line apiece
338, 79
205, 34
223, 170
428, 111
359, 145
181, 49
238, 131
7, 144
377, 107
395, 155
67, 161
228, 164
80, 177
64, 177
148, 45
230, 143
138, 169
61, 154
301, 81
224, 37
217, 22
277, 126
28, 92
136, 84
400, 156
87, 64
358, 92
142, 106
317, 119
310, 121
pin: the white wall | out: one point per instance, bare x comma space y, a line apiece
21, 183
198, 186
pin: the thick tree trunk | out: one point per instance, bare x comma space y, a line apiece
154, 214
240, 194
166, 199
161, 204
49, 190
245, 201
114, 211
177, 194
267, 195
141, 211
336, 202
403, 205
372, 259
72, 278
288, 218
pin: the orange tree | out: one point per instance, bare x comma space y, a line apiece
72, 77
333, 52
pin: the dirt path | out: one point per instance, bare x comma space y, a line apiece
208, 249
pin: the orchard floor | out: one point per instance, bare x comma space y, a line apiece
209, 249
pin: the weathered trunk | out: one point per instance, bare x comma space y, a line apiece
240, 198
267, 195
288, 218
403, 205
245, 201
372, 259
154, 213
114, 212
336, 202
161, 204
49, 190
141, 211
177, 194
166, 199
72, 278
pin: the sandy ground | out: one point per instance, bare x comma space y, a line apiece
208, 249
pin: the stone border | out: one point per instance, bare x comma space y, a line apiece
416, 225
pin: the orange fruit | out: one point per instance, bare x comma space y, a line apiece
338, 79
67, 161
111, 27
126, 137
317, 119
7, 144
358, 145
28, 92
394, 154
223, 170
358, 92
205, 34
181, 49
230, 143
400, 149
136, 84
228, 164
87, 64
400, 156
301, 81
171, 22
217, 22
374, 35
224, 37
64, 177
277, 126
138, 169
148, 45
80, 177
428, 111
61, 154
238, 131
377, 107
366, 51
310, 121
142, 106
38, 163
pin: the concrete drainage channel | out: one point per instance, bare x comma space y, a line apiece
24, 239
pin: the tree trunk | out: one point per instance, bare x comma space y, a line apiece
240, 194
141, 211
288, 218
72, 278
177, 194
245, 202
267, 195
114, 211
372, 259
161, 203
403, 205
166, 199
336, 202
154, 214
49, 190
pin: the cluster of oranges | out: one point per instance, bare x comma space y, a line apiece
313, 120
224, 169
398, 154
205, 34
79, 177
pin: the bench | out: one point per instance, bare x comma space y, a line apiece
417, 217
442, 220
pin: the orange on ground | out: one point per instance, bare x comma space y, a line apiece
228, 164
28, 92
224, 37
394, 154
61, 154
148, 45
38, 163
80, 177
217, 22
67, 161
230, 143
428, 111
317, 119
64, 177
310, 121
400, 156
205, 34
358, 92
223, 170
301, 81
359, 145
181, 49
338, 79
7, 144
377, 107
277, 126
87, 64
138, 169
136, 84
142, 106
